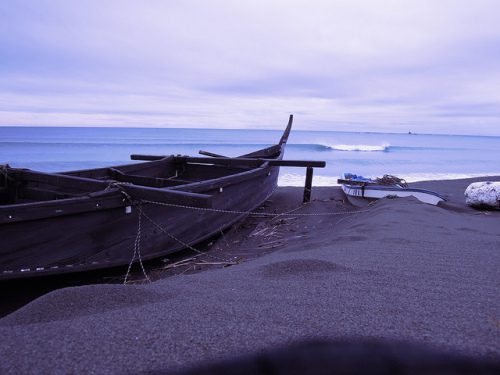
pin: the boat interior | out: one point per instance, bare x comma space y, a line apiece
25, 186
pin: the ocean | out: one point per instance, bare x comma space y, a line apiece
413, 157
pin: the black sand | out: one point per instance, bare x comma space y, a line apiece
398, 270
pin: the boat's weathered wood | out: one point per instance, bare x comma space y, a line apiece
70, 206
135, 191
57, 179
247, 162
222, 182
157, 182
211, 154
45, 194
256, 162
273, 152
106, 238
147, 157
297, 163
284, 137
166, 166
179, 197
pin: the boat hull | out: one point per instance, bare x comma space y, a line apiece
378, 192
105, 237
54, 223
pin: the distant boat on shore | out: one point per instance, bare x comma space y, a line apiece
358, 187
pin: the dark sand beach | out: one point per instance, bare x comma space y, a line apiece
395, 270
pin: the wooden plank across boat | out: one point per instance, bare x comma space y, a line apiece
359, 188
82, 220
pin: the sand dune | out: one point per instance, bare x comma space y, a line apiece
397, 270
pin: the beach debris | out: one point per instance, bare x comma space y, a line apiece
193, 262
262, 229
485, 194
182, 262
223, 264
271, 244
266, 230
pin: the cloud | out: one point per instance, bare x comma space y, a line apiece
345, 65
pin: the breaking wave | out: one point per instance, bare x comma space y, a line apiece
362, 148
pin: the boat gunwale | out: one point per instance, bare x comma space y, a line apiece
113, 198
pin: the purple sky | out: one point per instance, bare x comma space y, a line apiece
424, 66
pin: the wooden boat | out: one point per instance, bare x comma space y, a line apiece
359, 188
54, 223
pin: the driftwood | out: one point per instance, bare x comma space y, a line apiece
225, 264
180, 263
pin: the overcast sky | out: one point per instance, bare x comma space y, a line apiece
397, 66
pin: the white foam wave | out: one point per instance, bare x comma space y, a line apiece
414, 177
291, 179
365, 148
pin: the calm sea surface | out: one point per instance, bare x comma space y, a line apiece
410, 156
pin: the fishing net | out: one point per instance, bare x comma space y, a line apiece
388, 179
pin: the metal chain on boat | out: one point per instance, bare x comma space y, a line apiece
236, 212
118, 185
185, 244
253, 213
137, 243
137, 248
139, 207
188, 246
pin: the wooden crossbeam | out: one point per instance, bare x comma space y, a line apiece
135, 191
211, 154
250, 162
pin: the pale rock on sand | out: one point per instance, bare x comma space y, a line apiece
486, 193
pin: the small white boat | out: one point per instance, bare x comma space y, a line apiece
359, 188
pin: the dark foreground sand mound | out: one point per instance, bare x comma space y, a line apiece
398, 270
354, 357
